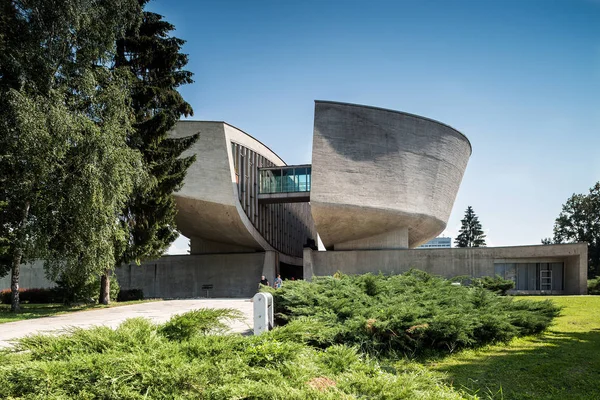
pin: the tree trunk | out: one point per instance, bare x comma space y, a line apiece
15, 305
105, 288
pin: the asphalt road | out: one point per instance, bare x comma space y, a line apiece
156, 311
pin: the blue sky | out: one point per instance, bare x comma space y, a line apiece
521, 79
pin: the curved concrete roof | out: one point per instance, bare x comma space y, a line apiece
398, 112
208, 205
382, 178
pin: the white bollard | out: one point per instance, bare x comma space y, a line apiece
263, 312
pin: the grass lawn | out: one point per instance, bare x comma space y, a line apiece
562, 363
29, 311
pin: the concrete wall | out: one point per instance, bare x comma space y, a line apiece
378, 172
232, 275
237, 275
31, 276
475, 262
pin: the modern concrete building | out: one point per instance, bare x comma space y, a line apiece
235, 234
381, 183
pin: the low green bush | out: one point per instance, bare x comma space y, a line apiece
32, 295
410, 314
67, 291
496, 284
198, 322
130, 295
136, 361
594, 285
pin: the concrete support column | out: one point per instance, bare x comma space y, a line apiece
575, 278
307, 263
270, 265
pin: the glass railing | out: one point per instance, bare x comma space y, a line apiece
289, 179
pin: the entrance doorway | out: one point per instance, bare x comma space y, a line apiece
289, 271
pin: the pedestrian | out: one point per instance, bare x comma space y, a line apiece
277, 282
264, 281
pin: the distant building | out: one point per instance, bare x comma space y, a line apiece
437, 243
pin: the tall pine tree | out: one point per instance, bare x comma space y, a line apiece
155, 59
470, 234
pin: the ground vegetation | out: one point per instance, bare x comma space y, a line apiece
559, 364
375, 322
140, 360
413, 314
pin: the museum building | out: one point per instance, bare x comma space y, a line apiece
381, 183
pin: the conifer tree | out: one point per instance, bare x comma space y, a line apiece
470, 234
156, 62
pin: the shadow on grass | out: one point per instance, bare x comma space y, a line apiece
555, 365
30, 311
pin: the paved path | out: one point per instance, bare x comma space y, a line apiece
157, 311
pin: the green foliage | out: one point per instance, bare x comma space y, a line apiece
79, 288
410, 314
496, 284
65, 167
137, 361
156, 64
198, 322
68, 291
593, 285
470, 234
33, 295
579, 221
130, 294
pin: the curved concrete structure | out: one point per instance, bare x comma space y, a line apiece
382, 179
218, 204
380, 182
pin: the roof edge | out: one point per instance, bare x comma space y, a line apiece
398, 112
235, 127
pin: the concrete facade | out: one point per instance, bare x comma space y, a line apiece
382, 179
32, 275
169, 277
179, 276
475, 262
